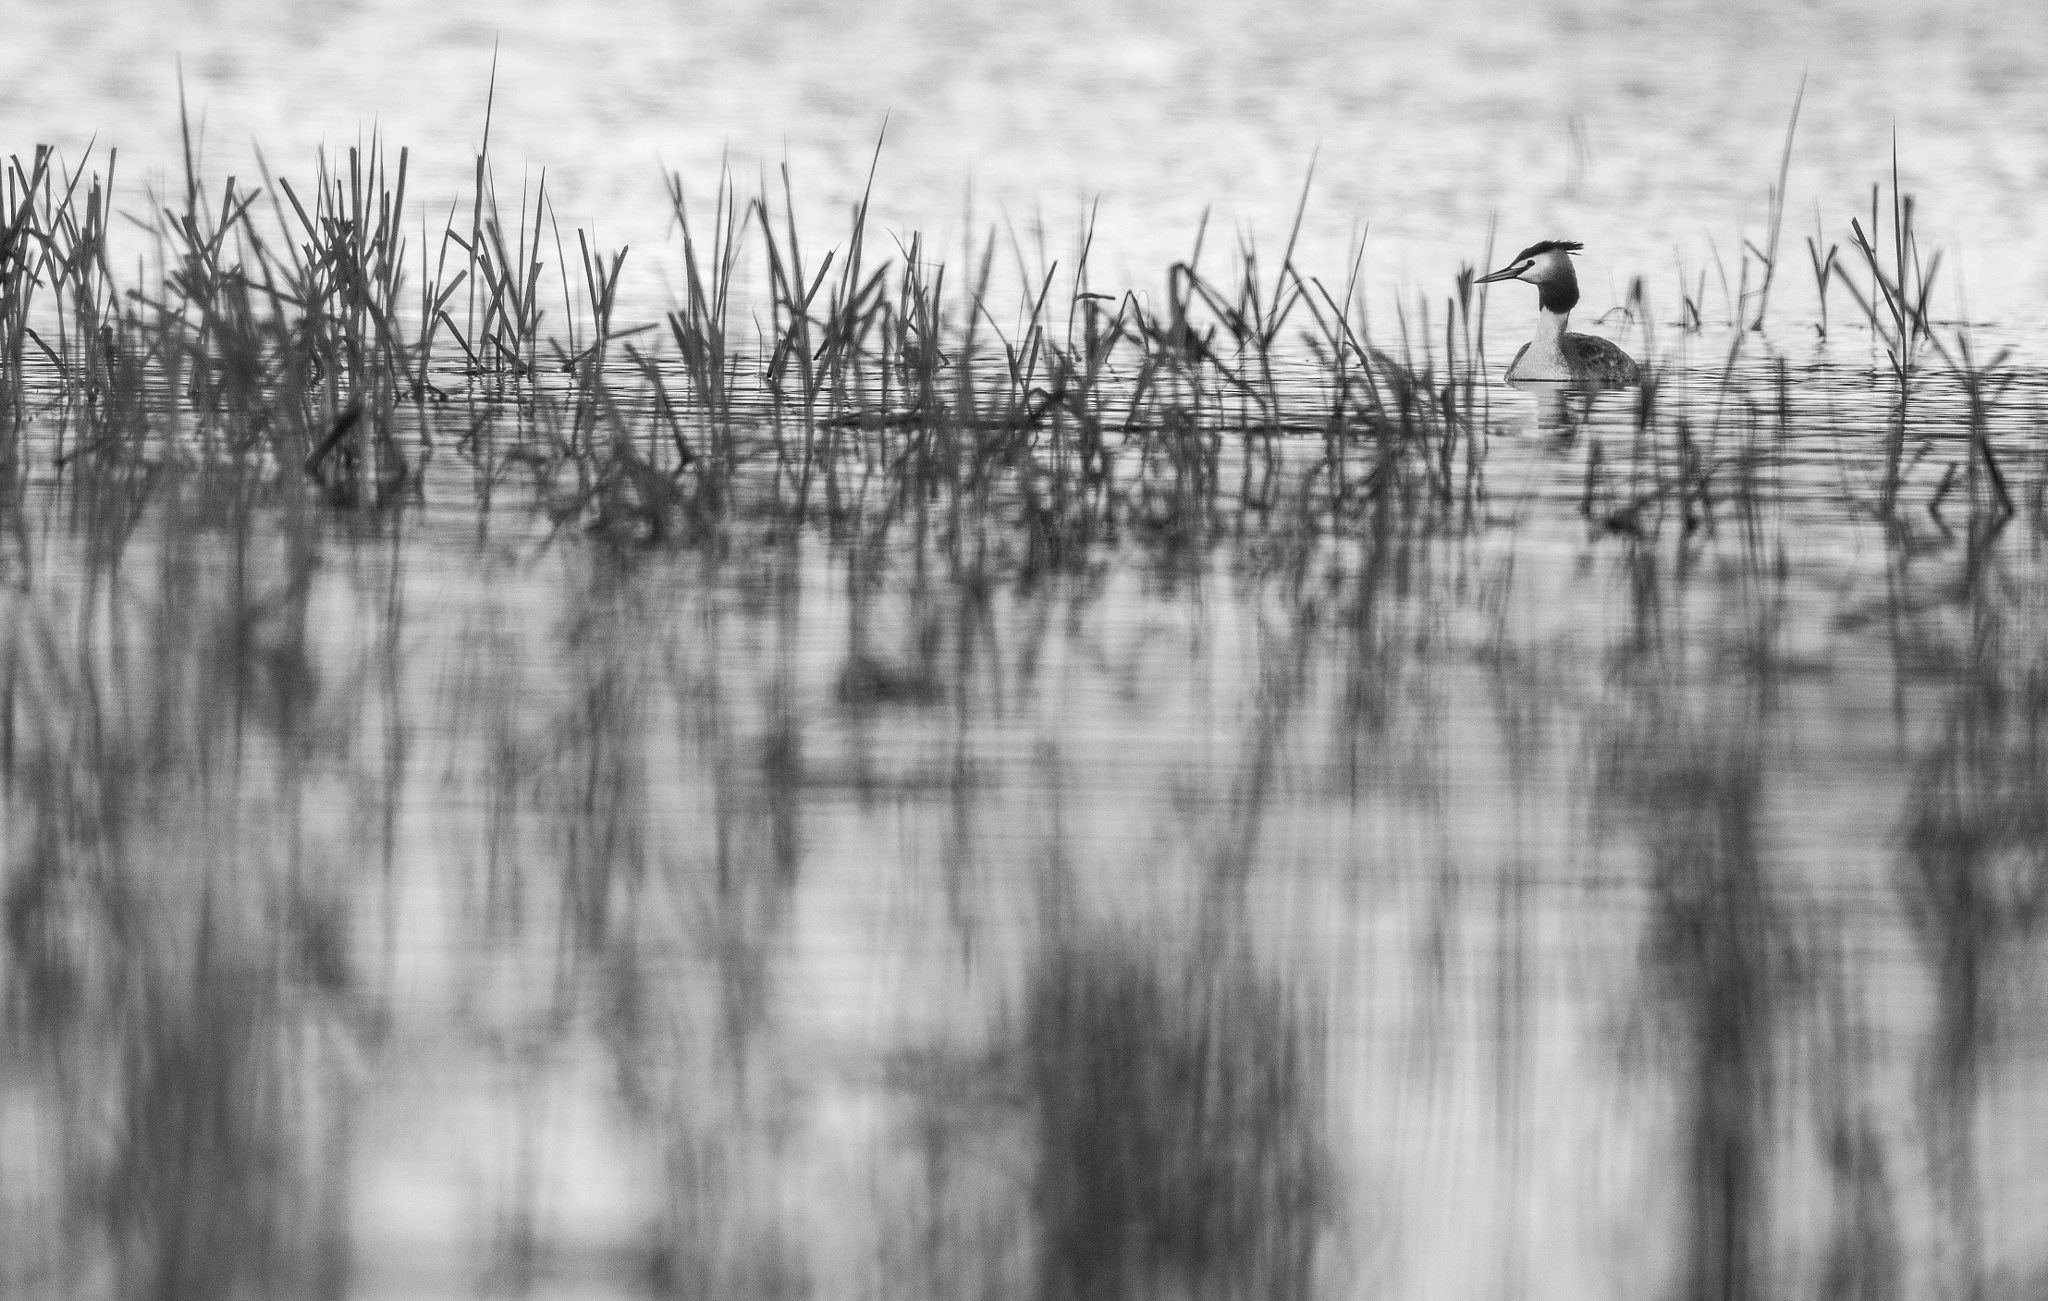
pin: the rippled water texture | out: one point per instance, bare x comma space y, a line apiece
1646, 132
1246, 824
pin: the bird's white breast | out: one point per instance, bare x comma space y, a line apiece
1544, 357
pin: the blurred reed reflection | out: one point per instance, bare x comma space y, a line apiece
1973, 878
1242, 877
1686, 765
183, 1013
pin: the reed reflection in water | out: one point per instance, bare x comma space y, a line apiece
1246, 903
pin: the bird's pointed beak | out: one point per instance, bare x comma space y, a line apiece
1505, 273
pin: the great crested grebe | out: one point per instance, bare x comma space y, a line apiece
1553, 354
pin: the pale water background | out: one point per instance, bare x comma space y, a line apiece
1644, 131
1588, 916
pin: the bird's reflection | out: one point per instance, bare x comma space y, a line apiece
1557, 408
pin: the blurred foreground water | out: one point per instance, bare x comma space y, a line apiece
1283, 889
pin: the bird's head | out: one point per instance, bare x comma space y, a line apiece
1548, 266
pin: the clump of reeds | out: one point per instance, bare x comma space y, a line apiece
294, 339
1896, 306
283, 337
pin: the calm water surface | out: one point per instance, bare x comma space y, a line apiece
1580, 887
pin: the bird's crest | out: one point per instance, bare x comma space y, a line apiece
1550, 246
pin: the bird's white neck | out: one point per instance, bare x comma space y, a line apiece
1545, 358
